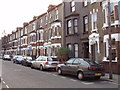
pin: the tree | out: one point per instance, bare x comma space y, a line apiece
63, 54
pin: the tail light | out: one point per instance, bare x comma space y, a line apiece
46, 63
91, 68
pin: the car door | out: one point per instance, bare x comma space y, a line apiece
39, 60
74, 66
66, 68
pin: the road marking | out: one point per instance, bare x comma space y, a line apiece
63, 77
4, 82
87, 83
7, 86
48, 73
73, 80
113, 83
54, 75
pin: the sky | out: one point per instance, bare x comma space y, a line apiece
13, 13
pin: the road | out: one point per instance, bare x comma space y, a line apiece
18, 76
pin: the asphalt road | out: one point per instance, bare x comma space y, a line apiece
18, 76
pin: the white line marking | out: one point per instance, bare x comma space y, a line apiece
87, 83
48, 73
73, 80
4, 82
113, 83
63, 77
54, 75
7, 86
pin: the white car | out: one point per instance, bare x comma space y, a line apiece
44, 62
6, 57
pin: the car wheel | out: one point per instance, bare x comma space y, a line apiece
97, 78
59, 71
41, 67
32, 66
80, 76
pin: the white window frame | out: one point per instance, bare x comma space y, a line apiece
85, 3
70, 47
93, 1
94, 19
76, 49
56, 14
41, 22
73, 6
33, 26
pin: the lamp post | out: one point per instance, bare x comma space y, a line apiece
110, 43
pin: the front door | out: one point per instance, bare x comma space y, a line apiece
86, 50
93, 52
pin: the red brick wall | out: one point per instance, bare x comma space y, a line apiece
114, 67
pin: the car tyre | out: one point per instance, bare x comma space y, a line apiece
32, 66
80, 76
41, 68
59, 71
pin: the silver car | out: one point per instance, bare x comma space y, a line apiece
44, 62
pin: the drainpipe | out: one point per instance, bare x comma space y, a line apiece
110, 44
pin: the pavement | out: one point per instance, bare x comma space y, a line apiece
115, 79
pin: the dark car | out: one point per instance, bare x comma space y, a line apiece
27, 61
18, 59
81, 68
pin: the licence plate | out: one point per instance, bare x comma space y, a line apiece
54, 64
98, 74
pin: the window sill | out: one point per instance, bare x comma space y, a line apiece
72, 34
105, 60
93, 2
105, 25
40, 41
93, 30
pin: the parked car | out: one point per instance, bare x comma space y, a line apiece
27, 61
18, 59
44, 62
6, 57
81, 68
